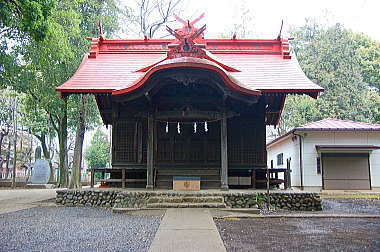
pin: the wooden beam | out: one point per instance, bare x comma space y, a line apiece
208, 115
192, 99
150, 151
224, 154
250, 100
253, 180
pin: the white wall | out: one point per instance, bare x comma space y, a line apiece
310, 140
374, 159
290, 149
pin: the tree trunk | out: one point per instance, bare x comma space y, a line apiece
81, 129
62, 139
8, 157
3, 133
14, 173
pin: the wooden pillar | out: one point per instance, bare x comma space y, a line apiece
288, 177
253, 180
150, 151
224, 154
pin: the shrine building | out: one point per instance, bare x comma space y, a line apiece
189, 106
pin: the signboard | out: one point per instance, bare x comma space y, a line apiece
40, 172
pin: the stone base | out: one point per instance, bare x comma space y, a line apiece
224, 188
149, 187
40, 186
299, 201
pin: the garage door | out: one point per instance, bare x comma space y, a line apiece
345, 171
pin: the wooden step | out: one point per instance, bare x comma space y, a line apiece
187, 199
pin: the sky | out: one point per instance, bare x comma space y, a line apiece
220, 15
358, 15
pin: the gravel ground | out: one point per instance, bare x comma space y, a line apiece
306, 234
75, 229
339, 206
351, 206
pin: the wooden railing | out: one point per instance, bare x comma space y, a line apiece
123, 180
259, 176
274, 178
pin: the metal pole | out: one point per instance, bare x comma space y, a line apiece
268, 195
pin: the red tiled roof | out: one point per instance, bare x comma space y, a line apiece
331, 124
335, 146
252, 67
114, 64
337, 124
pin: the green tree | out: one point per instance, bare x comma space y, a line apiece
369, 53
20, 18
36, 68
332, 57
85, 114
97, 154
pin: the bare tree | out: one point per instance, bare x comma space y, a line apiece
149, 15
242, 23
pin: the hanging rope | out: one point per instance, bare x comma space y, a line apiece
178, 128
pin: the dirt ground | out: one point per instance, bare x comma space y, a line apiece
300, 234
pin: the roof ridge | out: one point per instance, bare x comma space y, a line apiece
316, 124
351, 121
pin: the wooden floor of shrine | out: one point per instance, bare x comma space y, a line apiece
209, 178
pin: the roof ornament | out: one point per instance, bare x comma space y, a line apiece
100, 29
280, 33
189, 39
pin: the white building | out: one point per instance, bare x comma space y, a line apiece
330, 154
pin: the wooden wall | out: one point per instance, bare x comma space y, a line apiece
246, 143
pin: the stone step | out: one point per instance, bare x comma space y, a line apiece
186, 205
187, 199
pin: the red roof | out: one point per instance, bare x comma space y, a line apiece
248, 66
252, 67
109, 72
331, 124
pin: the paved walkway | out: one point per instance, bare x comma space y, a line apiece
18, 199
187, 230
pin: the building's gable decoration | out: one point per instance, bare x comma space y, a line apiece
247, 66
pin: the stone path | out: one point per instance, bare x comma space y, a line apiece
187, 230
14, 200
